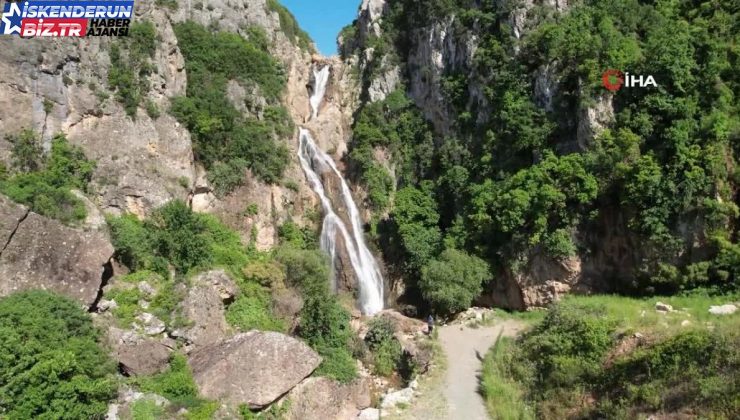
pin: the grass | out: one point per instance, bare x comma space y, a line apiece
640, 314
504, 397
582, 359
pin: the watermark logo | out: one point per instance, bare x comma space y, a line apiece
613, 80
63, 18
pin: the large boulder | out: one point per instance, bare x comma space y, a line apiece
254, 368
137, 354
41, 253
204, 308
327, 399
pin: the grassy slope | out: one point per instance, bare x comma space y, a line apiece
506, 398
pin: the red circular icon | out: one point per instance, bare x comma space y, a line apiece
612, 79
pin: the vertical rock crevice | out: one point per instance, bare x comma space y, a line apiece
105, 277
12, 233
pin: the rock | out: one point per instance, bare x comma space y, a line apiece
541, 281
112, 413
369, 414
592, 120
324, 398
220, 281
150, 324
685, 323
106, 305
727, 309
138, 355
146, 289
41, 253
204, 308
393, 399
472, 315
254, 368
94, 219
402, 323
663, 307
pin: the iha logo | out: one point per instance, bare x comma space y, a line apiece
613, 80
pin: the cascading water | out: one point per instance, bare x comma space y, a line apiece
315, 162
321, 78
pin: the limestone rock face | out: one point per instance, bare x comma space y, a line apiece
253, 368
41, 253
541, 281
60, 85
327, 399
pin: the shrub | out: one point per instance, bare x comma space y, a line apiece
176, 384
298, 237
251, 311
129, 76
289, 25
306, 270
52, 365
451, 283
325, 326
382, 343
44, 183
175, 235
505, 398
701, 364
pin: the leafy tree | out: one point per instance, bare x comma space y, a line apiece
451, 282
416, 216
52, 366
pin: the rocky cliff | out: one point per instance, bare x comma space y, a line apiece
503, 86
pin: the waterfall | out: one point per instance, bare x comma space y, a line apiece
314, 162
321, 77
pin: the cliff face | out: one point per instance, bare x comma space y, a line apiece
453, 61
144, 161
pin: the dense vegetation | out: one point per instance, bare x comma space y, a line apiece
289, 26
43, 181
224, 139
130, 68
52, 366
176, 240
588, 347
513, 178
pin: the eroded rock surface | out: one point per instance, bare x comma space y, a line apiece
137, 354
41, 253
204, 308
254, 368
324, 398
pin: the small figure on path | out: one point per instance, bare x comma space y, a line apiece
430, 324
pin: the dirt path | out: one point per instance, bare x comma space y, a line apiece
465, 348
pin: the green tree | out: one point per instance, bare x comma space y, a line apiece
451, 282
52, 366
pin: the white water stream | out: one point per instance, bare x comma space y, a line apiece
314, 162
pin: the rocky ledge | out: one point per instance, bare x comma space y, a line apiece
40, 253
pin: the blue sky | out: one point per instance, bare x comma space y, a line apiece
323, 19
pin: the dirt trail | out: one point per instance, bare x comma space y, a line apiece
465, 348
